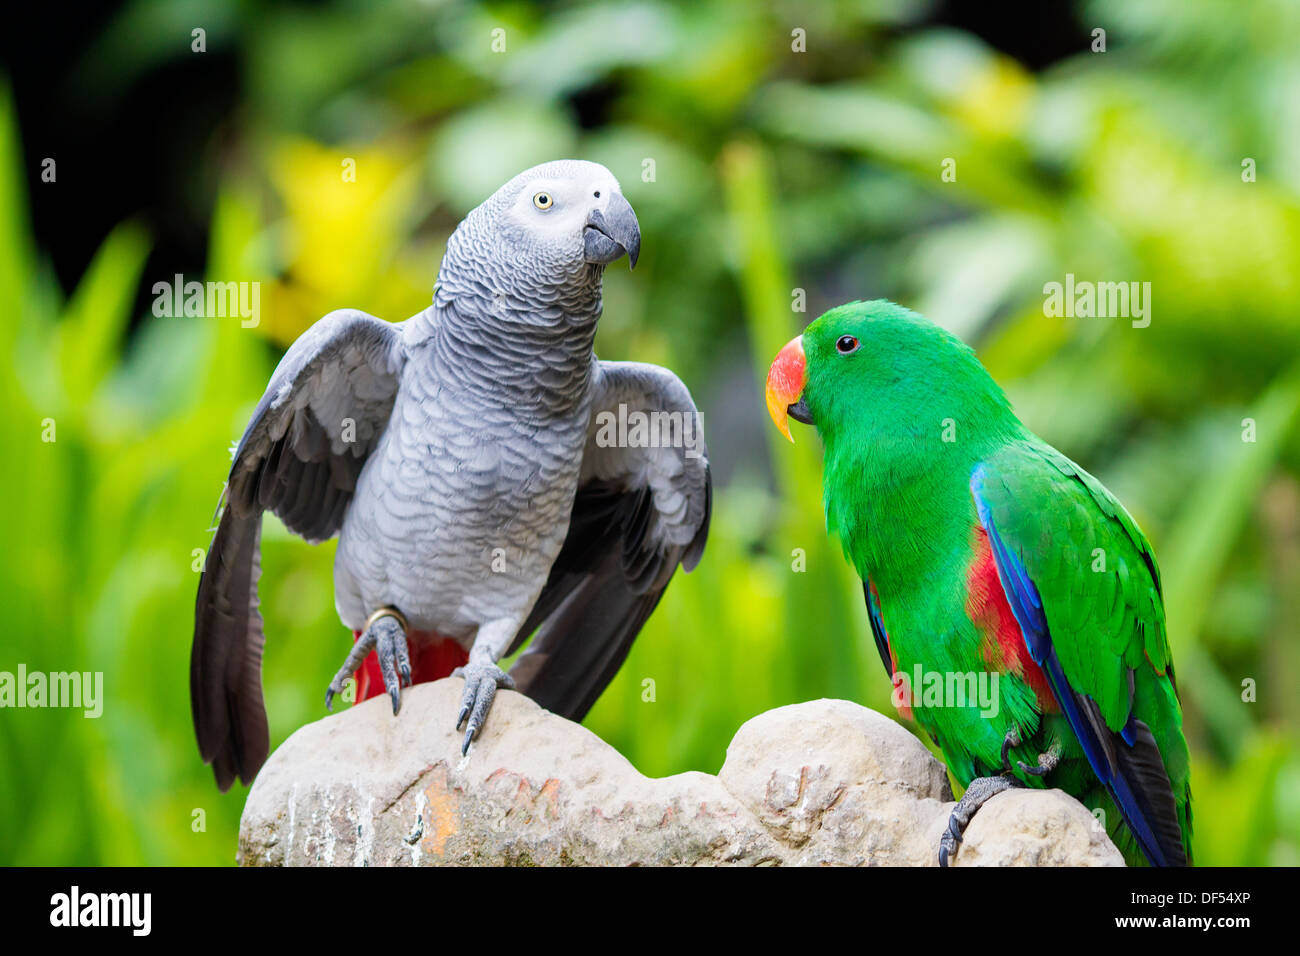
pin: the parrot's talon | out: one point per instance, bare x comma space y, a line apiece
387, 638
979, 792
1012, 739
951, 837
336, 687
1046, 762
481, 683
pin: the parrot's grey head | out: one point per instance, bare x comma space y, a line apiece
543, 237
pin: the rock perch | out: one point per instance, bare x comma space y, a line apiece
826, 782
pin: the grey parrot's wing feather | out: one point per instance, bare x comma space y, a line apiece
639, 512
325, 407
328, 402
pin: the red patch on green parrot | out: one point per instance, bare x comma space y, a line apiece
433, 657
902, 695
901, 698
1003, 646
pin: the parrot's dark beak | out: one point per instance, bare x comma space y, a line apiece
612, 232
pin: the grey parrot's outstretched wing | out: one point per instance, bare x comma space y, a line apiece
323, 411
639, 512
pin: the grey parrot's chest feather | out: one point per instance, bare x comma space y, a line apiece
463, 505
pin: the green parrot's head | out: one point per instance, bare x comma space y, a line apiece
878, 371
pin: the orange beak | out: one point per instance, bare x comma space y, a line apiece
785, 383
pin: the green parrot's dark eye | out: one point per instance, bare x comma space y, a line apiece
846, 344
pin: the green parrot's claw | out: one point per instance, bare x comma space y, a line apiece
979, 792
1046, 762
1012, 739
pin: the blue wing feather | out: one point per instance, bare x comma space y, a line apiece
878, 631
1098, 741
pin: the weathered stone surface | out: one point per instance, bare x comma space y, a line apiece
826, 782
1036, 828
838, 783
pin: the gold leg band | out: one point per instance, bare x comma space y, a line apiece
386, 612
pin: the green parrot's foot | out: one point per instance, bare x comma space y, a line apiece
980, 791
385, 636
481, 683
1046, 762
1012, 739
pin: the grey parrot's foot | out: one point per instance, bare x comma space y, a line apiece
979, 792
386, 637
481, 683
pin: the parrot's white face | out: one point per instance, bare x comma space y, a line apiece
557, 208
560, 217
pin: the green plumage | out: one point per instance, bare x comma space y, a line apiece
917, 439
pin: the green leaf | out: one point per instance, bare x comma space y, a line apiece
1196, 550
97, 315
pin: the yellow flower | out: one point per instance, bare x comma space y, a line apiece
348, 212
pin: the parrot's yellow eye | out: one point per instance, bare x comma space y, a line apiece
543, 201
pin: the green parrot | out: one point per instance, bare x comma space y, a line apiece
1014, 602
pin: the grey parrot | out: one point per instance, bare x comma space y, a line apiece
476, 464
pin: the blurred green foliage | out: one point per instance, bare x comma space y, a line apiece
772, 171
